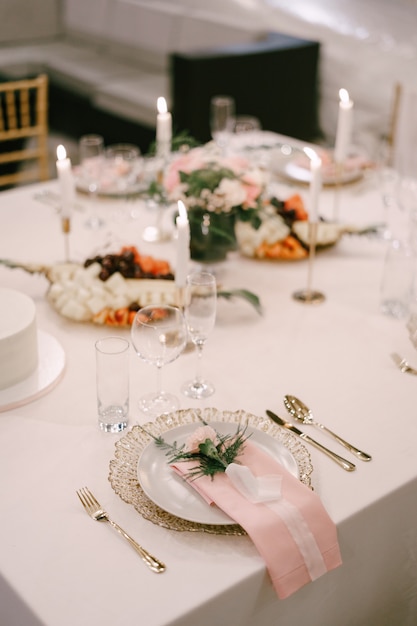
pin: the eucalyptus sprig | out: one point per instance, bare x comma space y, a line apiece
212, 455
249, 296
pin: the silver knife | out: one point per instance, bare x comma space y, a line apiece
347, 465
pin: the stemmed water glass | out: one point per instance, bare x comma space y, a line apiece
222, 119
200, 314
159, 335
153, 176
122, 166
91, 152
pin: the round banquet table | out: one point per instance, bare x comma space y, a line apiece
57, 567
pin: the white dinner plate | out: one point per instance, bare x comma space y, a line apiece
110, 184
294, 166
172, 494
111, 190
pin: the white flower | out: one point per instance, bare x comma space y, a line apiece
232, 192
271, 230
203, 178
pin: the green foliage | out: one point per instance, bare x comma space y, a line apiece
205, 178
211, 458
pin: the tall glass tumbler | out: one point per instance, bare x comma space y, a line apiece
222, 120
397, 280
112, 374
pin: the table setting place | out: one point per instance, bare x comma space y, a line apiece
256, 275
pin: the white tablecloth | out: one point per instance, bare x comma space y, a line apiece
58, 567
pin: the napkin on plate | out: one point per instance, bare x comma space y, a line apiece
285, 519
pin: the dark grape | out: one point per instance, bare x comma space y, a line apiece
123, 263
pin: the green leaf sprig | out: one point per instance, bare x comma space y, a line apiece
212, 456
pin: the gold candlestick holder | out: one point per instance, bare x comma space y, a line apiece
336, 198
66, 229
180, 298
180, 302
309, 295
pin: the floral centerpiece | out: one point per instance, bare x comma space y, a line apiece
230, 206
217, 191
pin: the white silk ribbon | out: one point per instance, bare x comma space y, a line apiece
267, 490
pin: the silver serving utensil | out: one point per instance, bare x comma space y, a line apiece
94, 510
403, 364
50, 198
344, 463
303, 414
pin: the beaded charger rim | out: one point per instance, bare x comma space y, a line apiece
128, 449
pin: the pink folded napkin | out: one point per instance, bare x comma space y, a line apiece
285, 519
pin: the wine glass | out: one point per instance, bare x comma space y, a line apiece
153, 178
200, 315
121, 175
91, 151
246, 124
122, 166
222, 119
159, 335
387, 180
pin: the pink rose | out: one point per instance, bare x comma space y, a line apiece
236, 163
253, 190
199, 436
192, 160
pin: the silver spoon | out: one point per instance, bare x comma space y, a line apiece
403, 364
303, 414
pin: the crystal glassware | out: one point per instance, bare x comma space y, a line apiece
200, 314
222, 119
112, 378
153, 177
91, 152
122, 166
159, 335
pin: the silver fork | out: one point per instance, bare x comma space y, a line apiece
403, 364
98, 514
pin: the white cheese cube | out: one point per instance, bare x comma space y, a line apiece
116, 283
76, 311
96, 304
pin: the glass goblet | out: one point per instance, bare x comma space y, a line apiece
159, 335
121, 175
91, 152
200, 314
153, 177
222, 119
122, 166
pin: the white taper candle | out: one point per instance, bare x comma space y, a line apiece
183, 245
344, 127
315, 183
66, 181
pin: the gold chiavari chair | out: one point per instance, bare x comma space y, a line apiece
24, 131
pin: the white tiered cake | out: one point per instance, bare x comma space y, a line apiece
18, 337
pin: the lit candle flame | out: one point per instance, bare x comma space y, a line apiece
344, 95
61, 153
162, 105
182, 210
312, 155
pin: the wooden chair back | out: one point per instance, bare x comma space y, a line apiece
24, 131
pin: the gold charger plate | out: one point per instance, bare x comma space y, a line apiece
128, 450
